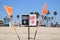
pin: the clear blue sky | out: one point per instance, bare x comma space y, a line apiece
26, 6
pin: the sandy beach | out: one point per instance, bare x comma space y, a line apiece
43, 33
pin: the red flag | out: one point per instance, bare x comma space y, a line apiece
8, 10
44, 10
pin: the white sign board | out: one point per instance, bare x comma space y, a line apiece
32, 20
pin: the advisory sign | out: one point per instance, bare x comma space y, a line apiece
25, 19
32, 20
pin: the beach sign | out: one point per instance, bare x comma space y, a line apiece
25, 19
32, 20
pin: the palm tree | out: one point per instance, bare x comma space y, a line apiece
11, 16
4, 18
45, 18
42, 18
31, 12
48, 17
18, 18
37, 14
55, 13
51, 24
48, 12
52, 18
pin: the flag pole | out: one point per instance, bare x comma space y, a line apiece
14, 28
37, 27
9, 13
36, 30
44, 11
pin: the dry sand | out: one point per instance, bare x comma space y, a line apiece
43, 33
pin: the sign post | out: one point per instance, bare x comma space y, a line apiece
25, 21
29, 20
32, 22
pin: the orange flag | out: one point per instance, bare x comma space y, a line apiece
8, 10
44, 10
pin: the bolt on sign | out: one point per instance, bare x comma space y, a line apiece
25, 19
32, 20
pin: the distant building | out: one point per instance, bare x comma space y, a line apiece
1, 23
6, 21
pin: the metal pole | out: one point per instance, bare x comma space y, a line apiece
28, 33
